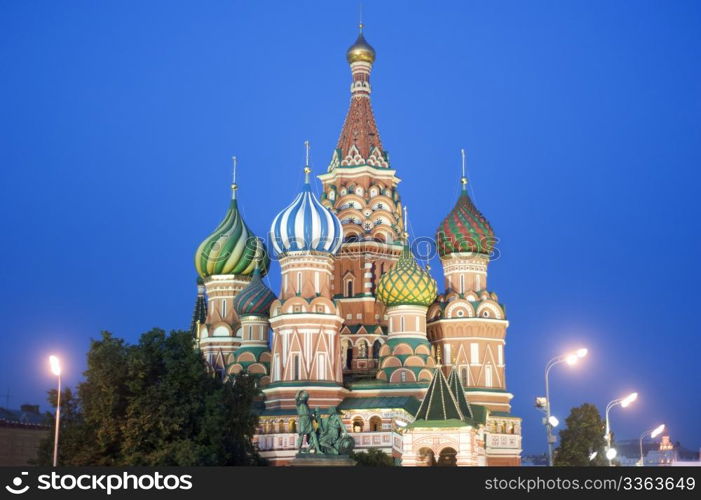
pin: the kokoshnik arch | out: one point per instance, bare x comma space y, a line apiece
358, 323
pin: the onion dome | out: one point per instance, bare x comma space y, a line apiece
306, 225
255, 299
465, 229
232, 248
361, 50
406, 283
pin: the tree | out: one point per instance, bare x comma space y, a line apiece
583, 435
372, 458
156, 404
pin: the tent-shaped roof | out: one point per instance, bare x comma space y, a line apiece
459, 392
439, 403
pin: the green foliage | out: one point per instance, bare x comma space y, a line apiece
154, 404
584, 434
372, 458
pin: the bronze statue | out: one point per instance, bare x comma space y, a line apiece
329, 438
306, 424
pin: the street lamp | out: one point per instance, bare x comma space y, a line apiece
56, 370
653, 434
623, 403
571, 359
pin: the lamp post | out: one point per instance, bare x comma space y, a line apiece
622, 402
56, 370
654, 432
570, 359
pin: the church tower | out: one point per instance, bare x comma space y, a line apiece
361, 188
467, 322
305, 320
407, 290
225, 261
252, 305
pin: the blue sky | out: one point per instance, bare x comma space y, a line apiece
581, 119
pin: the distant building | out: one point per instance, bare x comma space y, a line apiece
20, 433
664, 453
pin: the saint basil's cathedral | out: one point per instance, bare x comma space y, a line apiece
358, 323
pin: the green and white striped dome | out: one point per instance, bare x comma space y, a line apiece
232, 248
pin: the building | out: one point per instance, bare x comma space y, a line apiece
358, 323
664, 453
21, 431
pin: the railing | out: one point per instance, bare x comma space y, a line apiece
363, 440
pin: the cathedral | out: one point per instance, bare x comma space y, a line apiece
358, 323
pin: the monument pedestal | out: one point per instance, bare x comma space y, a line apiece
321, 460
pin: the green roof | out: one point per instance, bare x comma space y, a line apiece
479, 414
459, 392
439, 402
381, 384
407, 403
502, 414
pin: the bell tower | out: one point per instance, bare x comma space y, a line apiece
361, 188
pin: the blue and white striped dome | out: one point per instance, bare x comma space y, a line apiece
306, 225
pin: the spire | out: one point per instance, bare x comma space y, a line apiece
307, 170
439, 402
234, 186
463, 179
359, 142
199, 315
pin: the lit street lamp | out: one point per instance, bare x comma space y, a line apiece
56, 370
623, 403
571, 359
653, 434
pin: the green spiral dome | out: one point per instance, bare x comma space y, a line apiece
231, 249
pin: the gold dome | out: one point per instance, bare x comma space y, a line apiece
360, 50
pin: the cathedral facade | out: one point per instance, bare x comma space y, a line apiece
358, 323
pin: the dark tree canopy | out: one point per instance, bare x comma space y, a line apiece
372, 458
583, 435
154, 403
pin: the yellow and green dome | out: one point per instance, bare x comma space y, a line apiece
407, 283
231, 249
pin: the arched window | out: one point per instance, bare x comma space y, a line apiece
349, 357
295, 366
358, 424
362, 349
376, 349
375, 424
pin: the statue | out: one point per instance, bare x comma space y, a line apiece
330, 436
306, 424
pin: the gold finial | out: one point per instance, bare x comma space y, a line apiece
234, 186
463, 179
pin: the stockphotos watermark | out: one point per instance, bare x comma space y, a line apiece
105, 483
424, 248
